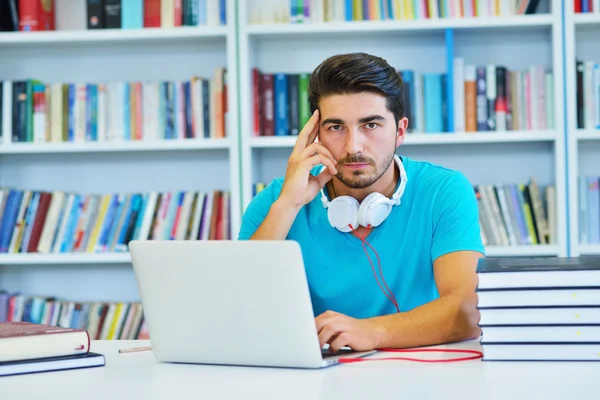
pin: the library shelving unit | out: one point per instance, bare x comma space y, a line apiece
581, 44
148, 54
428, 46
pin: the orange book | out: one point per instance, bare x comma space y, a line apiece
470, 99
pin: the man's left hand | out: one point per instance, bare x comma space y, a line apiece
339, 330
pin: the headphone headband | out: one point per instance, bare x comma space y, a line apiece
395, 197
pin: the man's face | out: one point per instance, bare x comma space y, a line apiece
362, 135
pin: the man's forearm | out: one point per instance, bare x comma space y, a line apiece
277, 223
450, 318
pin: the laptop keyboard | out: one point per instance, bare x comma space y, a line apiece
341, 352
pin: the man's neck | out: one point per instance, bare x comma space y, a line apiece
386, 185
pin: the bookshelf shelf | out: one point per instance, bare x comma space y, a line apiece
521, 251
112, 35
100, 147
362, 27
589, 249
589, 134
64, 258
431, 138
586, 19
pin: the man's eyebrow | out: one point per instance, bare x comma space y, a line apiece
375, 117
337, 121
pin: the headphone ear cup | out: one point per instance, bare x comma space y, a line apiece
374, 209
342, 212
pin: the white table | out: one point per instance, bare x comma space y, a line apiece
139, 376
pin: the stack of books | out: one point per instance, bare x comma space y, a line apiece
27, 348
540, 309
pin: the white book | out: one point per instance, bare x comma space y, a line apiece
197, 92
459, 94
81, 134
101, 114
148, 215
7, 111
56, 113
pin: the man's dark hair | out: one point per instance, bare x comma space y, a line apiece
355, 73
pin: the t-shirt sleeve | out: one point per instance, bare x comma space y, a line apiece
456, 218
257, 210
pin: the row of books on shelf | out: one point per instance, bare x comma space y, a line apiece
59, 222
32, 111
486, 98
102, 320
586, 6
60, 15
516, 214
542, 308
319, 11
589, 209
493, 98
587, 79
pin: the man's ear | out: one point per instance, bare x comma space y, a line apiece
401, 131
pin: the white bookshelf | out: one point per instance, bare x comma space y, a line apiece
111, 167
486, 158
581, 43
133, 36
117, 146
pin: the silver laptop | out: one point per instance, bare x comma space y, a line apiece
229, 302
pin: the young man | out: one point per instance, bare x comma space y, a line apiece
405, 279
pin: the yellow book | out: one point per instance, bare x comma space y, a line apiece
99, 223
528, 216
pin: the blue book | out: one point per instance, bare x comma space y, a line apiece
349, 7
132, 14
432, 89
282, 120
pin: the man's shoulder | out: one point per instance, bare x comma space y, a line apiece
433, 175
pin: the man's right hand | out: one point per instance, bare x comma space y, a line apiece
300, 186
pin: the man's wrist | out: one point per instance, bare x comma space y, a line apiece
286, 208
380, 332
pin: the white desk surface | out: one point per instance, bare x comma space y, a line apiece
139, 376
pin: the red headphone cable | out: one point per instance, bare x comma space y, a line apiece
473, 355
364, 242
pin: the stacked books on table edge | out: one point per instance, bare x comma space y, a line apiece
539, 309
28, 348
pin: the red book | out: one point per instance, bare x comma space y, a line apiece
151, 13
36, 15
26, 341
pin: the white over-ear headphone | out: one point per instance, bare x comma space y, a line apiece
345, 213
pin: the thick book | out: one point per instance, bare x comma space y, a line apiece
541, 352
541, 334
539, 316
26, 341
538, 272
538, 297
86, 360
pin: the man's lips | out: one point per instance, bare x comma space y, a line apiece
356, 165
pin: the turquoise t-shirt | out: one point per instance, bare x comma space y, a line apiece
438, 215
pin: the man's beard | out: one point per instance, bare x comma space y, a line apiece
359, 179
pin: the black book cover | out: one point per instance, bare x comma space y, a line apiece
112, 14
533, 264
95, 16
87, 360
579, 82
